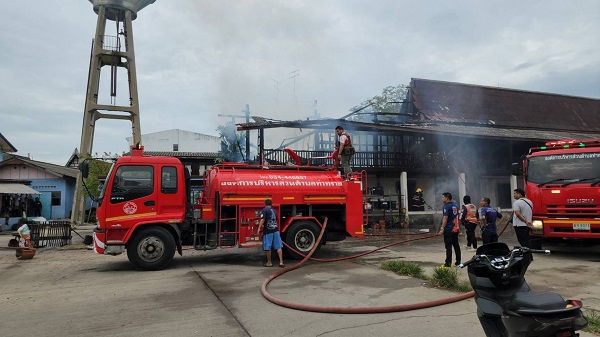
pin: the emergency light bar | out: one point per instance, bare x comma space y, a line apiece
572, 143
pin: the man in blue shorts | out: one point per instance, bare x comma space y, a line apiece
271, 237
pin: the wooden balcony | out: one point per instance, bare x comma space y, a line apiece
380, 161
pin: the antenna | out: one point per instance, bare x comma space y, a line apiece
295, 74
276, 85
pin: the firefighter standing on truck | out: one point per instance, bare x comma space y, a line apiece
345, 150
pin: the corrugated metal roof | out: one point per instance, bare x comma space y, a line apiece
52, 168
464, 103
500, 133
177, 154
9, 188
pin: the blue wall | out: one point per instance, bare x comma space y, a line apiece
46, 186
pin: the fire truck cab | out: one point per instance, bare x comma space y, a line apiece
562, 179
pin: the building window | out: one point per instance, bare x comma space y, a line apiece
175, 147
56, 198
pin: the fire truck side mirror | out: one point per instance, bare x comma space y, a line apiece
516, 169
84, 167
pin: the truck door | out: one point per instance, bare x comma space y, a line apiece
132, 196
172, 193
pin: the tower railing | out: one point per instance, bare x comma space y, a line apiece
111, 42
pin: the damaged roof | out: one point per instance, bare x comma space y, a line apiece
474, 111
479, 131
439, 101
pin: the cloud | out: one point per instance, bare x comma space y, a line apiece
196, 59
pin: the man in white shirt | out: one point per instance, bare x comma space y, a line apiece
522, 216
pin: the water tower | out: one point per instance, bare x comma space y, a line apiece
115, 52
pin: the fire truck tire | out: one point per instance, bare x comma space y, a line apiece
302, 236
151, 248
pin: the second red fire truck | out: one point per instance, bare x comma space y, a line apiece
562, 179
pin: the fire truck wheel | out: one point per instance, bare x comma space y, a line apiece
151, 248
302, 236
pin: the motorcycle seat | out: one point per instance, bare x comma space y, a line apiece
536, 302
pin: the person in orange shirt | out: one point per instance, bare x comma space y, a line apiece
470, 219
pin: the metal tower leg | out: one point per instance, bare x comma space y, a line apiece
105, 50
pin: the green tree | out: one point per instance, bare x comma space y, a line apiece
390, 102
233, 144
98, 168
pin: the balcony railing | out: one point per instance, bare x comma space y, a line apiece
365, 160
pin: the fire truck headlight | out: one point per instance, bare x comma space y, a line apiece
538, 227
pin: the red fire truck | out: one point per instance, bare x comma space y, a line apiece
145, 207
562, 179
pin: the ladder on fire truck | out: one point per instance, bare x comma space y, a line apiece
222, 233
228, 226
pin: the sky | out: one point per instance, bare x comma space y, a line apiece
197, 59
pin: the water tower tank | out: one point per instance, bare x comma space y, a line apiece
117, 6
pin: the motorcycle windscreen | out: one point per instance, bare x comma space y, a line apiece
494, 248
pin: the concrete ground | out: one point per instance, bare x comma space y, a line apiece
73, 291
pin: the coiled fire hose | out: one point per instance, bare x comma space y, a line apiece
356, 310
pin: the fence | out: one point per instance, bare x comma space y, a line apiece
50, 233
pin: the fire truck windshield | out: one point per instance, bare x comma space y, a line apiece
568, 168
103, 190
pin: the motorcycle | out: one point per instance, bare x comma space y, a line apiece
506, 305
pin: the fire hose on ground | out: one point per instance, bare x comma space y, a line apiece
357, 310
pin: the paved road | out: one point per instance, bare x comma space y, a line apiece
76, 292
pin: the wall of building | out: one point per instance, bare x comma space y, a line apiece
186, 141
46, 183
54, 189
24, 172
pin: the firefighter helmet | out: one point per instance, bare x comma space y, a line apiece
419, 190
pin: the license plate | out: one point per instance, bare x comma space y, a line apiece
581, 226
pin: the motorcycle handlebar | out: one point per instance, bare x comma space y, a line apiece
475, 258
514, 252
540, 251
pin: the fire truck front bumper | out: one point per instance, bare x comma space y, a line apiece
99, 237
567, 228
101, 247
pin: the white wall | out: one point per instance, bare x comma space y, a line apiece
187, 141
